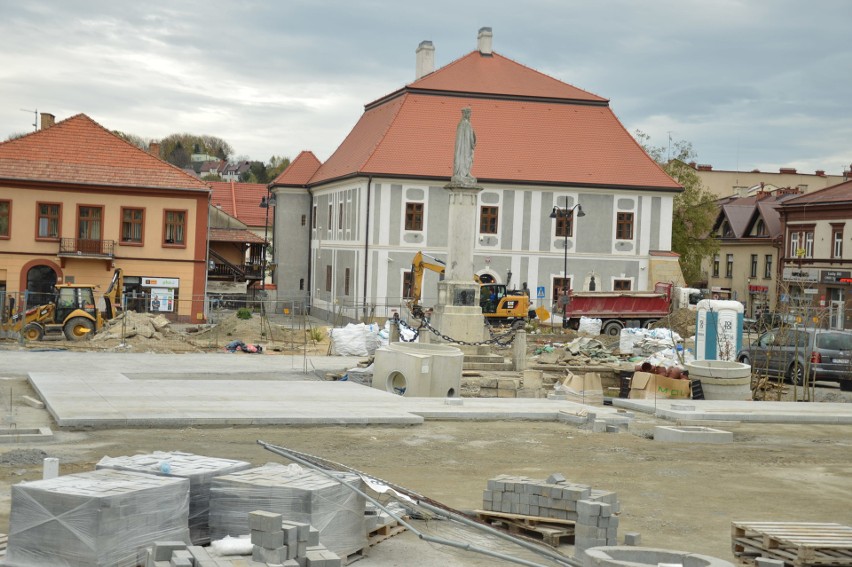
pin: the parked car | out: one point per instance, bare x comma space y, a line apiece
766, 321
789, 352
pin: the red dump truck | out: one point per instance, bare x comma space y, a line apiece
618, 309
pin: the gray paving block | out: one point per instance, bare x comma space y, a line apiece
632, 538
198, 469
116, 514
162, 550
299, 495
263, 521
555, 478
768, 562
264, 555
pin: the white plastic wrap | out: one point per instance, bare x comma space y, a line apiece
590, 326
95, 519
355, 339
228, 546
299, 495
198, 469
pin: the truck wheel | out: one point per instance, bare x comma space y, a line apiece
78, 328
33, 332
649, 323
612, 328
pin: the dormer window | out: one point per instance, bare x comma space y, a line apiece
725, 230
760, 228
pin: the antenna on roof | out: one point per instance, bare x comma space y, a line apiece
35, 117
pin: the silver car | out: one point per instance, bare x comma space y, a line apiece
789, 352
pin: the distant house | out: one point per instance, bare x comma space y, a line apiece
353, 223
235, 264
726, 183
243, 201
750, 240
77, 201
233, 171
816, 263
216, 167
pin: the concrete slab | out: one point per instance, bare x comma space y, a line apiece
105, 390
742, 411
691, 434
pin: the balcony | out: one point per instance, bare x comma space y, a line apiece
83, 248
222, 270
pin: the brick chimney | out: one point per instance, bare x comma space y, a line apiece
790, 170
761, 195
483, 41
47, 120
705, 167
154, 148
425, 59
820, 173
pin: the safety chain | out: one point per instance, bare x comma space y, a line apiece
503, 339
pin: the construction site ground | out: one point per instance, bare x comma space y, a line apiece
678, 496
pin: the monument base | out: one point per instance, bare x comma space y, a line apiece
458, 314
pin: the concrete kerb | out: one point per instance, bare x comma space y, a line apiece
631, 556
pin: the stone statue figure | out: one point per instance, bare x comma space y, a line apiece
463, 158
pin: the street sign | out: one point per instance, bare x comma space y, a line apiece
539, 292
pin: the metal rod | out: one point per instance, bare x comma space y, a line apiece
426, 537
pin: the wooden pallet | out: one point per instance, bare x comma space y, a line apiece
552, 531
800, 544
375, 537
4, 541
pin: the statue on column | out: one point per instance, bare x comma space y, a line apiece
463, 158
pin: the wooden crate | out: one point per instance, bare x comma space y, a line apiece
552, 531
800, 544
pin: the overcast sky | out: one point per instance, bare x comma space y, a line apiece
750, 83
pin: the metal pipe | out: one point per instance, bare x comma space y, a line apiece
426, 537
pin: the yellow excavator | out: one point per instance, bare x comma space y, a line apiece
499, 304
72, 312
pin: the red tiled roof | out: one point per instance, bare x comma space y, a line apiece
413, 135
234, 235
300, 171
79, 150
241, 200
530, 128
497, 75
840, 193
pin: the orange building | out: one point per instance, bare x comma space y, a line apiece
77, 202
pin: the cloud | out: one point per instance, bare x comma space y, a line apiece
747, 82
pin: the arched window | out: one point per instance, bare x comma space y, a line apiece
40, 283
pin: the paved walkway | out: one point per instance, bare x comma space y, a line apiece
103, 390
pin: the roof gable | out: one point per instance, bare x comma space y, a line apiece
79, 150
300, 170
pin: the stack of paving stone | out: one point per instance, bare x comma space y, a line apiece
290, 544
554, 497
97, 518
299, 495
596, 526
198, 469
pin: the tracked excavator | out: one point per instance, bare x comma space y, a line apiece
499, 304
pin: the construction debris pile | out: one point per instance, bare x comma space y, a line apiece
582, 351
130, 324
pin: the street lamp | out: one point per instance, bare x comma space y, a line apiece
566, 214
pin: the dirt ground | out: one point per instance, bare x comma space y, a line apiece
677, 496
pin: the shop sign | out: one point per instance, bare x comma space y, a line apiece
835, 276
810, 291
801, 275
759, 288
160, 282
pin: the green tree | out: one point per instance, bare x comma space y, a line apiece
197, 143
277, 164
211, 177
695, 208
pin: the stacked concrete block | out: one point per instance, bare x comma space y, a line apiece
299, 495
94, 519
199, 470
596, 526
176, 554
290, 544
500, 388
554, 497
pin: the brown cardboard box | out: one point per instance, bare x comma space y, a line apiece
645, 385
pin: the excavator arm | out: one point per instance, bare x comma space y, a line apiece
113, 295
418, 267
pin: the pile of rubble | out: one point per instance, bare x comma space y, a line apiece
582, 351
130, 324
